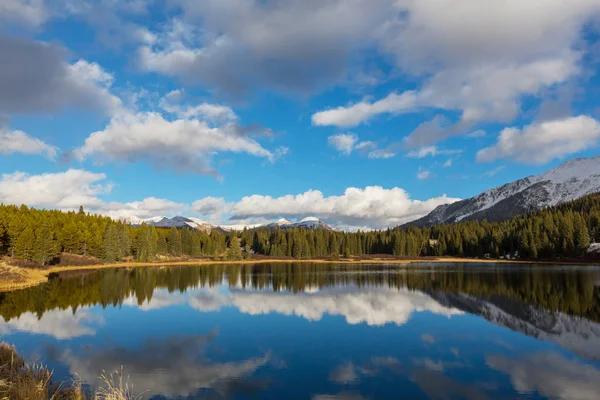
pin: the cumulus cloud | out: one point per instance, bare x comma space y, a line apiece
64, 190
244, 45
36, 78
181, 144
72, 188
215, 113
346, 143
541, 142
343, 142
372, 206
456, 49
20, 142
549, 374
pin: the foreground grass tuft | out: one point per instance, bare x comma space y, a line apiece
19, 381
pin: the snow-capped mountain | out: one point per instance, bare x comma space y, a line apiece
175, 222
195, 223
306, 223
569, 181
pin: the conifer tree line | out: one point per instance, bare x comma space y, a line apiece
42, 235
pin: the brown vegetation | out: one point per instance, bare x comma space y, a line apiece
19, 381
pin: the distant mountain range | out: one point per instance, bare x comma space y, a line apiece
569, 181
195, 223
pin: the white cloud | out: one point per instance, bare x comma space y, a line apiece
372, 206
64, 190
61, 324
366, 145
423, 175
470, 62
343, 143
431, 151
382, 153
215, 113
240, 45
346, 143
182, 144
448, 163
549, 374
20, 142
541, 142
72, 188
363, 111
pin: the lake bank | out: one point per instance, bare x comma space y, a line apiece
15, 278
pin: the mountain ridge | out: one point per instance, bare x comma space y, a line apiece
569, 181
202, 225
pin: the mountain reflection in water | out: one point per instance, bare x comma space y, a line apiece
328, 331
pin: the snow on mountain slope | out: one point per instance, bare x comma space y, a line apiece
569, 181
195, 223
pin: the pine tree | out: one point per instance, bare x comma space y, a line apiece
25, 244
234, 251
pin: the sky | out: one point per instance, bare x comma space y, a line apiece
364, 113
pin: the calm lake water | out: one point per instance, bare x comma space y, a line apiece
316, 331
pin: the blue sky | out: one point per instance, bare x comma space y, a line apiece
366, 114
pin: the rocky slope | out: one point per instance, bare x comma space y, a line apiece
569, 181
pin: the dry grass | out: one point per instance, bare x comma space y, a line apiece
19, 381
117, 387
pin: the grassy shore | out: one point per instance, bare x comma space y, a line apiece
14, 278
20, 380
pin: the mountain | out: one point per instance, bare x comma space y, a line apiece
175, 222
195, 223
569, 181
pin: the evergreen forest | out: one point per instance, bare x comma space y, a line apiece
42, 236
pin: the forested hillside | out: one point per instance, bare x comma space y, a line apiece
42, 236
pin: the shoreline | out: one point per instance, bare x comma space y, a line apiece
16, 278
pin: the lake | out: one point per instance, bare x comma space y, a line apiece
320, 331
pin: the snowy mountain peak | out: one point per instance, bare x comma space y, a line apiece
196, 223
569, 181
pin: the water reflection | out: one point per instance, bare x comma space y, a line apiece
550, 374
329, 332
176, 366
